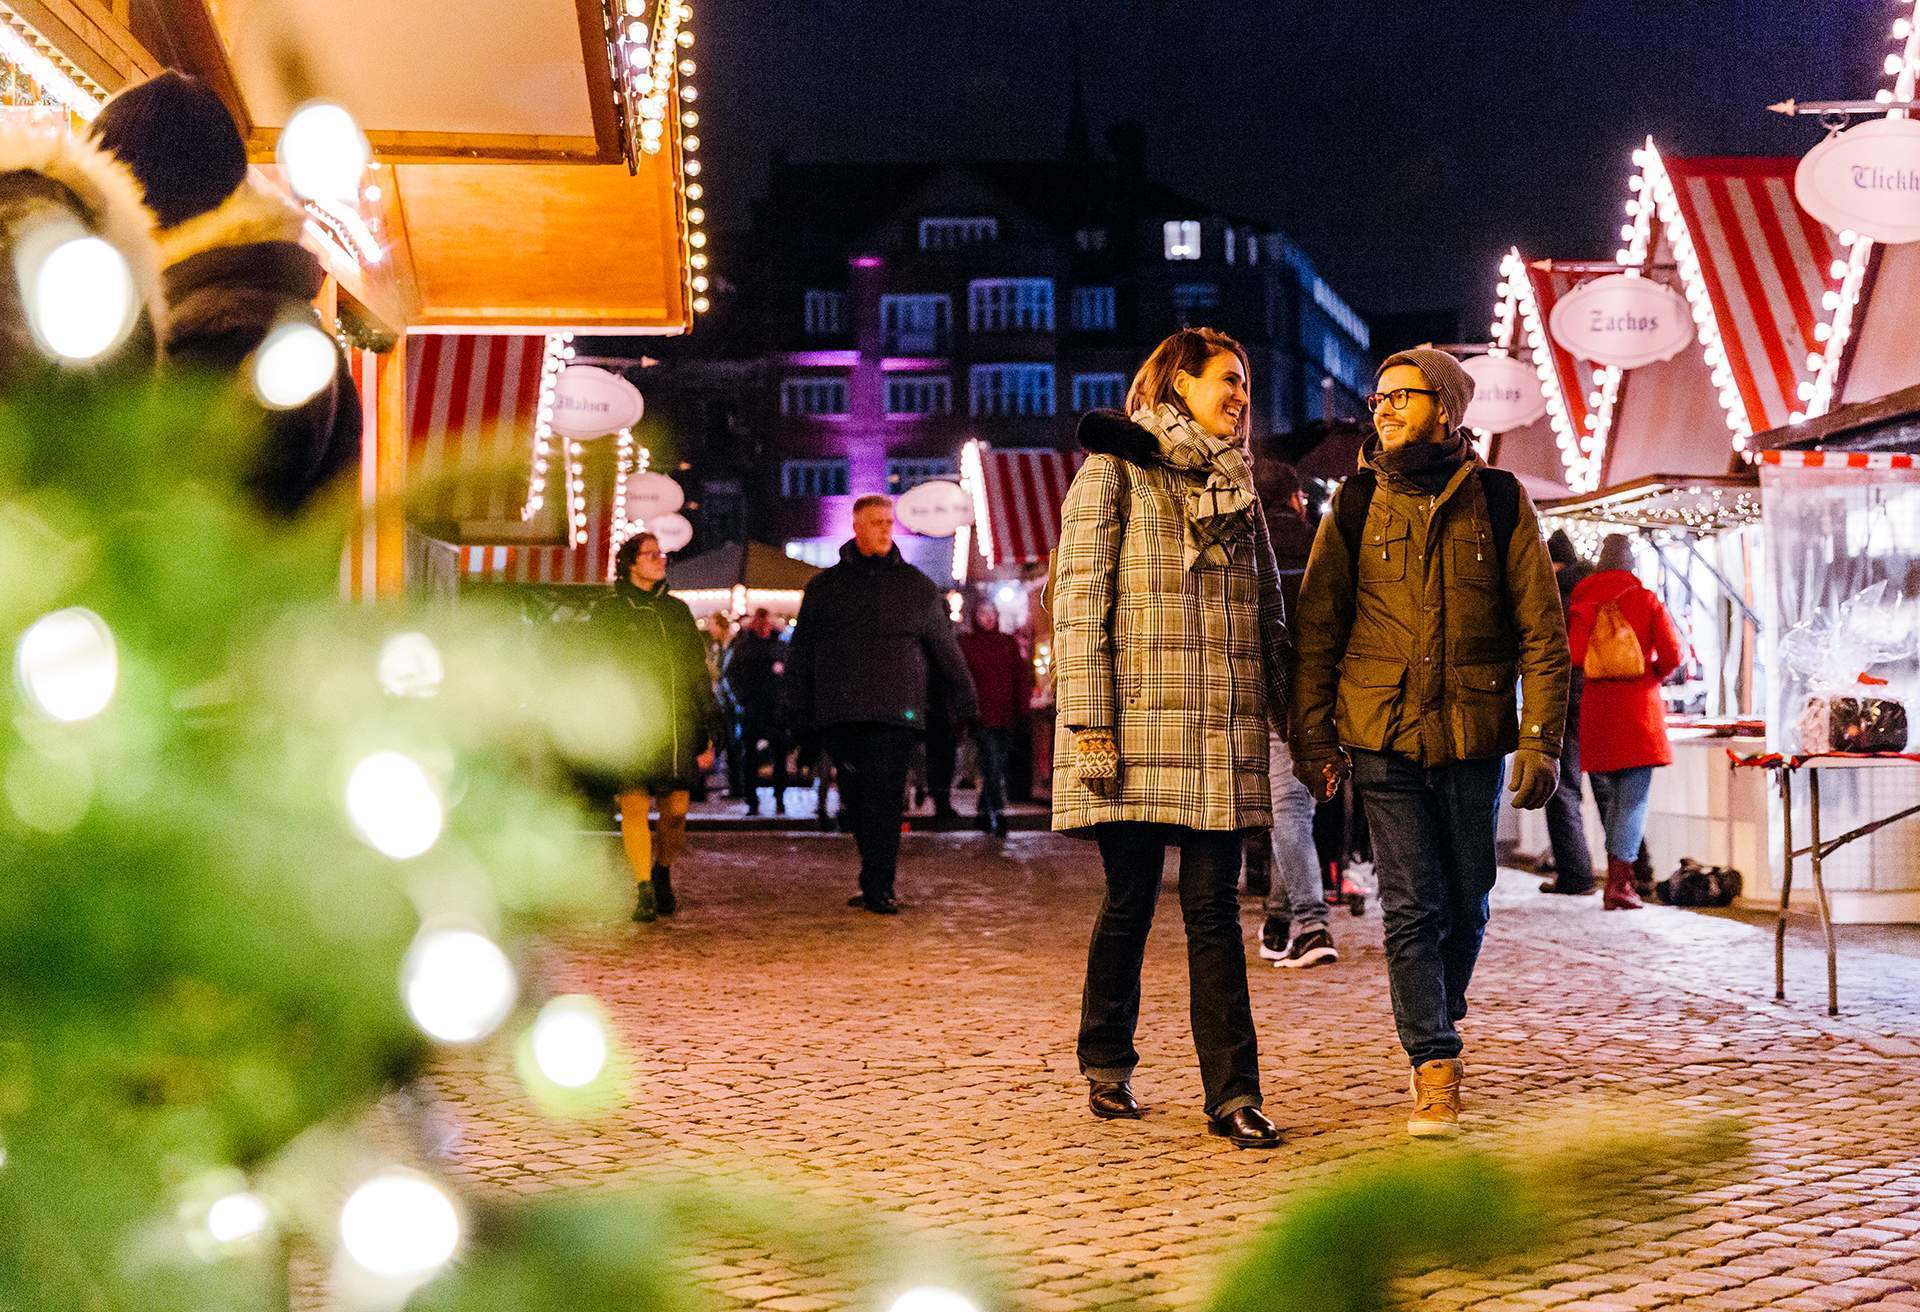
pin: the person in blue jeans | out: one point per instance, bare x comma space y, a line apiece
1295, 935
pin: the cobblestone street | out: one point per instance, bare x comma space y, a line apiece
922, 1068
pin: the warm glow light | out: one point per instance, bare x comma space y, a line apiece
293, 364
931, 1298
570, 1042
410, 665
393, 805
399, 1225
324, 152
80, 297
67, 664
457, 984
236, 1217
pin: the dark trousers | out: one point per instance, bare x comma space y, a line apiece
870, 761
992, 745
753, 731
943, 745
1434, 861
1222, 1019
1566, 828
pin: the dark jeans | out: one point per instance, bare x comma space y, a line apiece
1434, 862
1222, 1019
870, 761
753, 731
1566, 828
943, 746
992, 744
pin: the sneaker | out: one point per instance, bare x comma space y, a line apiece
1313, 947
1435, 1086
1273, 937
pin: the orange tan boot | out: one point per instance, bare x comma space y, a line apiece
1436, 1098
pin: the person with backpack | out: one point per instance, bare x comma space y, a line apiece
1428, 595
1624, 641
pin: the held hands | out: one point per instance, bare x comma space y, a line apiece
1096, 760
1535, 776
1323, 775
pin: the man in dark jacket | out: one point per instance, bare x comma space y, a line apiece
1004, 682
234, 271
871, 640
755, 663
1566, 827
1425, 599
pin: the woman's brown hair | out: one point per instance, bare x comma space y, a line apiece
1187, 351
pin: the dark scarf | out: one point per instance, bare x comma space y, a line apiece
1429, 466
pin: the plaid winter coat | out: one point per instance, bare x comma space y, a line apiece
1186, 667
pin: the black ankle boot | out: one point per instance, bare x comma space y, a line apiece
663, 897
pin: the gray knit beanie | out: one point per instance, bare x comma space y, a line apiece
1446, 376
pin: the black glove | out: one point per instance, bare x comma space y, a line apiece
1535, 776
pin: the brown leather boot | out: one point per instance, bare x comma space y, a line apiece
1436, 1099
1620, 894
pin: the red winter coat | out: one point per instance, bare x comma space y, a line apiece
1001, 677
1622, 723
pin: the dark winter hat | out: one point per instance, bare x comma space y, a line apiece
1560, 549
180, 142
1616, 552
1446, 375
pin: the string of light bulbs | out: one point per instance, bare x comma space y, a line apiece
1579, 456
17, 48
657, 58
559, 350
629, 459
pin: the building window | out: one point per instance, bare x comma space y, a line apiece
826, 313
813, 396
1093, 309
1191, 296
998, 305
916, 325
1091, 239
1183, 239
814, 478
1253, 248
1098, 391
1012, 389
919, 394
903, 474
947, 234
1341, 312
1230, 236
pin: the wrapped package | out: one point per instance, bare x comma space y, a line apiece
1853, 724
1832, 653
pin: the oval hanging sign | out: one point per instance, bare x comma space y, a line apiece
1867, 179
590, 402
674, 531
1623, 321
1506, 393
934, 510
652, 494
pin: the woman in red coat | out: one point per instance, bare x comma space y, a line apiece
1623, 726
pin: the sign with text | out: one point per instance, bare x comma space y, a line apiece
652, 494
1506, 393
590, 402
1867, 179
674, 531
1624, 321
934, 510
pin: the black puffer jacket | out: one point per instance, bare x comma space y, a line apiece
653, 635
753, 673
871, 639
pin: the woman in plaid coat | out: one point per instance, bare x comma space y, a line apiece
1170, 660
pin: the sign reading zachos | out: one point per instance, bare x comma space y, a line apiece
1506, 393
934, 510
1867, 179
1622, 321
590, 402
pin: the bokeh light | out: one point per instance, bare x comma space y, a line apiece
295, 361
81, 300
410, 665
400, 1224
458, 984
67, 664
236, 1217
932, 1298
393, 805
570, 1043
324, 152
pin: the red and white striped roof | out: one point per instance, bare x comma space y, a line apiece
1023, 489
1840, 459
471, 399
1576, 379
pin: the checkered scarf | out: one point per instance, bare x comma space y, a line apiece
1219, 510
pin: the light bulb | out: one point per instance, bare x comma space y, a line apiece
81, 301
570, 1042
67, 664
324, 152
400, 1224
410, 665
293, 364
458, 985
236, 1217
931, 1298
393, 805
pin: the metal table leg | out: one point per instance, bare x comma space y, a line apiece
1786, 884
1820, 890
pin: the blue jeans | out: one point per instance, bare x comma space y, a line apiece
1566, 826
1296, 890
1623, 796
993, 745
1433, 855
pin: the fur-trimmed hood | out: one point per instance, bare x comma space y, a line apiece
108, 197
235, 271
1110, 433
253, 214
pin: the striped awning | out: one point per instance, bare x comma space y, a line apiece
471, 399
1022, 489
1840, 459
1575, 380
1766, 264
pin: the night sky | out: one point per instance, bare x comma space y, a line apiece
1404, 145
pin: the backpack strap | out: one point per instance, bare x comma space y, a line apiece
1502, 491
1352, 502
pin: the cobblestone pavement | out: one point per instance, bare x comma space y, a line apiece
921, 1069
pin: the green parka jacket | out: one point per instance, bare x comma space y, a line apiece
1415, 647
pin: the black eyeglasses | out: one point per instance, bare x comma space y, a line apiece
1398, 396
